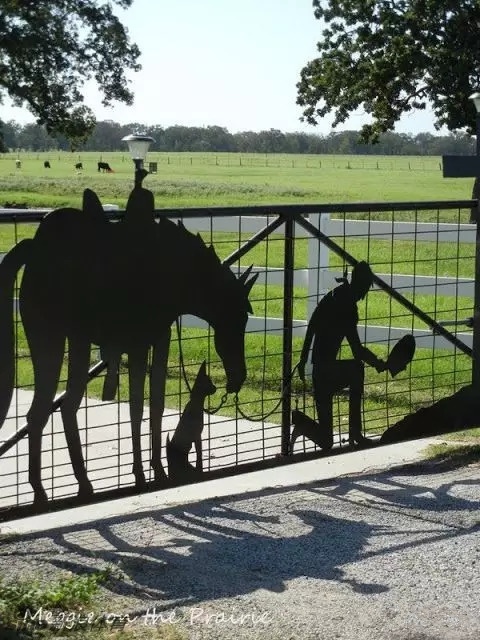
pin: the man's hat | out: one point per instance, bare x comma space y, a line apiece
401, 355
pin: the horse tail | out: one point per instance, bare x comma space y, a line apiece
9, 268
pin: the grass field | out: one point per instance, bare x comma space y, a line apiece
432, 375
231, 179
191, 180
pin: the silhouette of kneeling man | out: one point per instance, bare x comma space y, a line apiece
334, 319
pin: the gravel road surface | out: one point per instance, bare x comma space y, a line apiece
390, 555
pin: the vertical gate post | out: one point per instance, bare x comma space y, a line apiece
475, 97
476, 307
289, 270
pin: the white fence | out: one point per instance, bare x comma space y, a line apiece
319, 278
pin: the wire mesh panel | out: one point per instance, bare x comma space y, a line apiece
246, 429
423, 261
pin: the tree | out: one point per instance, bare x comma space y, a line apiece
389, 57
34, 138
107, 136
48, 50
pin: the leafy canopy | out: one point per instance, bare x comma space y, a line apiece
48, 50
392, 56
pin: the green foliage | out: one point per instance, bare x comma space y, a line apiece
63, 613
454, 455
20, 601
68, 593
107, 137
49, 49
391, 57
3, 146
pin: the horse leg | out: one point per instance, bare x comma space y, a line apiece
78, 363
110, 382
158, 378
47, 352
137, 371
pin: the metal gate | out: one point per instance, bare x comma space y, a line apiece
422, 256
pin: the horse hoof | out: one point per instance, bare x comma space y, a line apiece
140, 483
162, 482
40, 502
160, 478
85, 492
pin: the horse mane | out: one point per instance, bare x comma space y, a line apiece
206, 253
140, 209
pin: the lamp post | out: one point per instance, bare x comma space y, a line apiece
138, 144
475, 97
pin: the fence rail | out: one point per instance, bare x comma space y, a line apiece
320, 277
244, 159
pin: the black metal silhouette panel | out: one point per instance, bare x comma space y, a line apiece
189, 432
93, 284
334, 320
120, 286
459, 411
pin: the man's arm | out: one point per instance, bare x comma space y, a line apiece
360, 352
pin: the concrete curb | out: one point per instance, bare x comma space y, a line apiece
356, 462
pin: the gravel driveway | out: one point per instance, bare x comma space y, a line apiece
378, 556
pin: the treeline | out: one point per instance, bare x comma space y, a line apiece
108, 135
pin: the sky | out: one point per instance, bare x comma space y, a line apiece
232, 63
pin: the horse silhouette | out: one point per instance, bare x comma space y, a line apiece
120, 286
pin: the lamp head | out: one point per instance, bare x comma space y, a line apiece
475, 97
138, 144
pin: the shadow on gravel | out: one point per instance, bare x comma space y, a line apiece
226, 547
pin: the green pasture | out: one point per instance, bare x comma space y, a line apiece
432, 375
191, 180
197, 180
386, 400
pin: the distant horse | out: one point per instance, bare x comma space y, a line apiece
79, 166
104, 166
46, 164
120, 286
